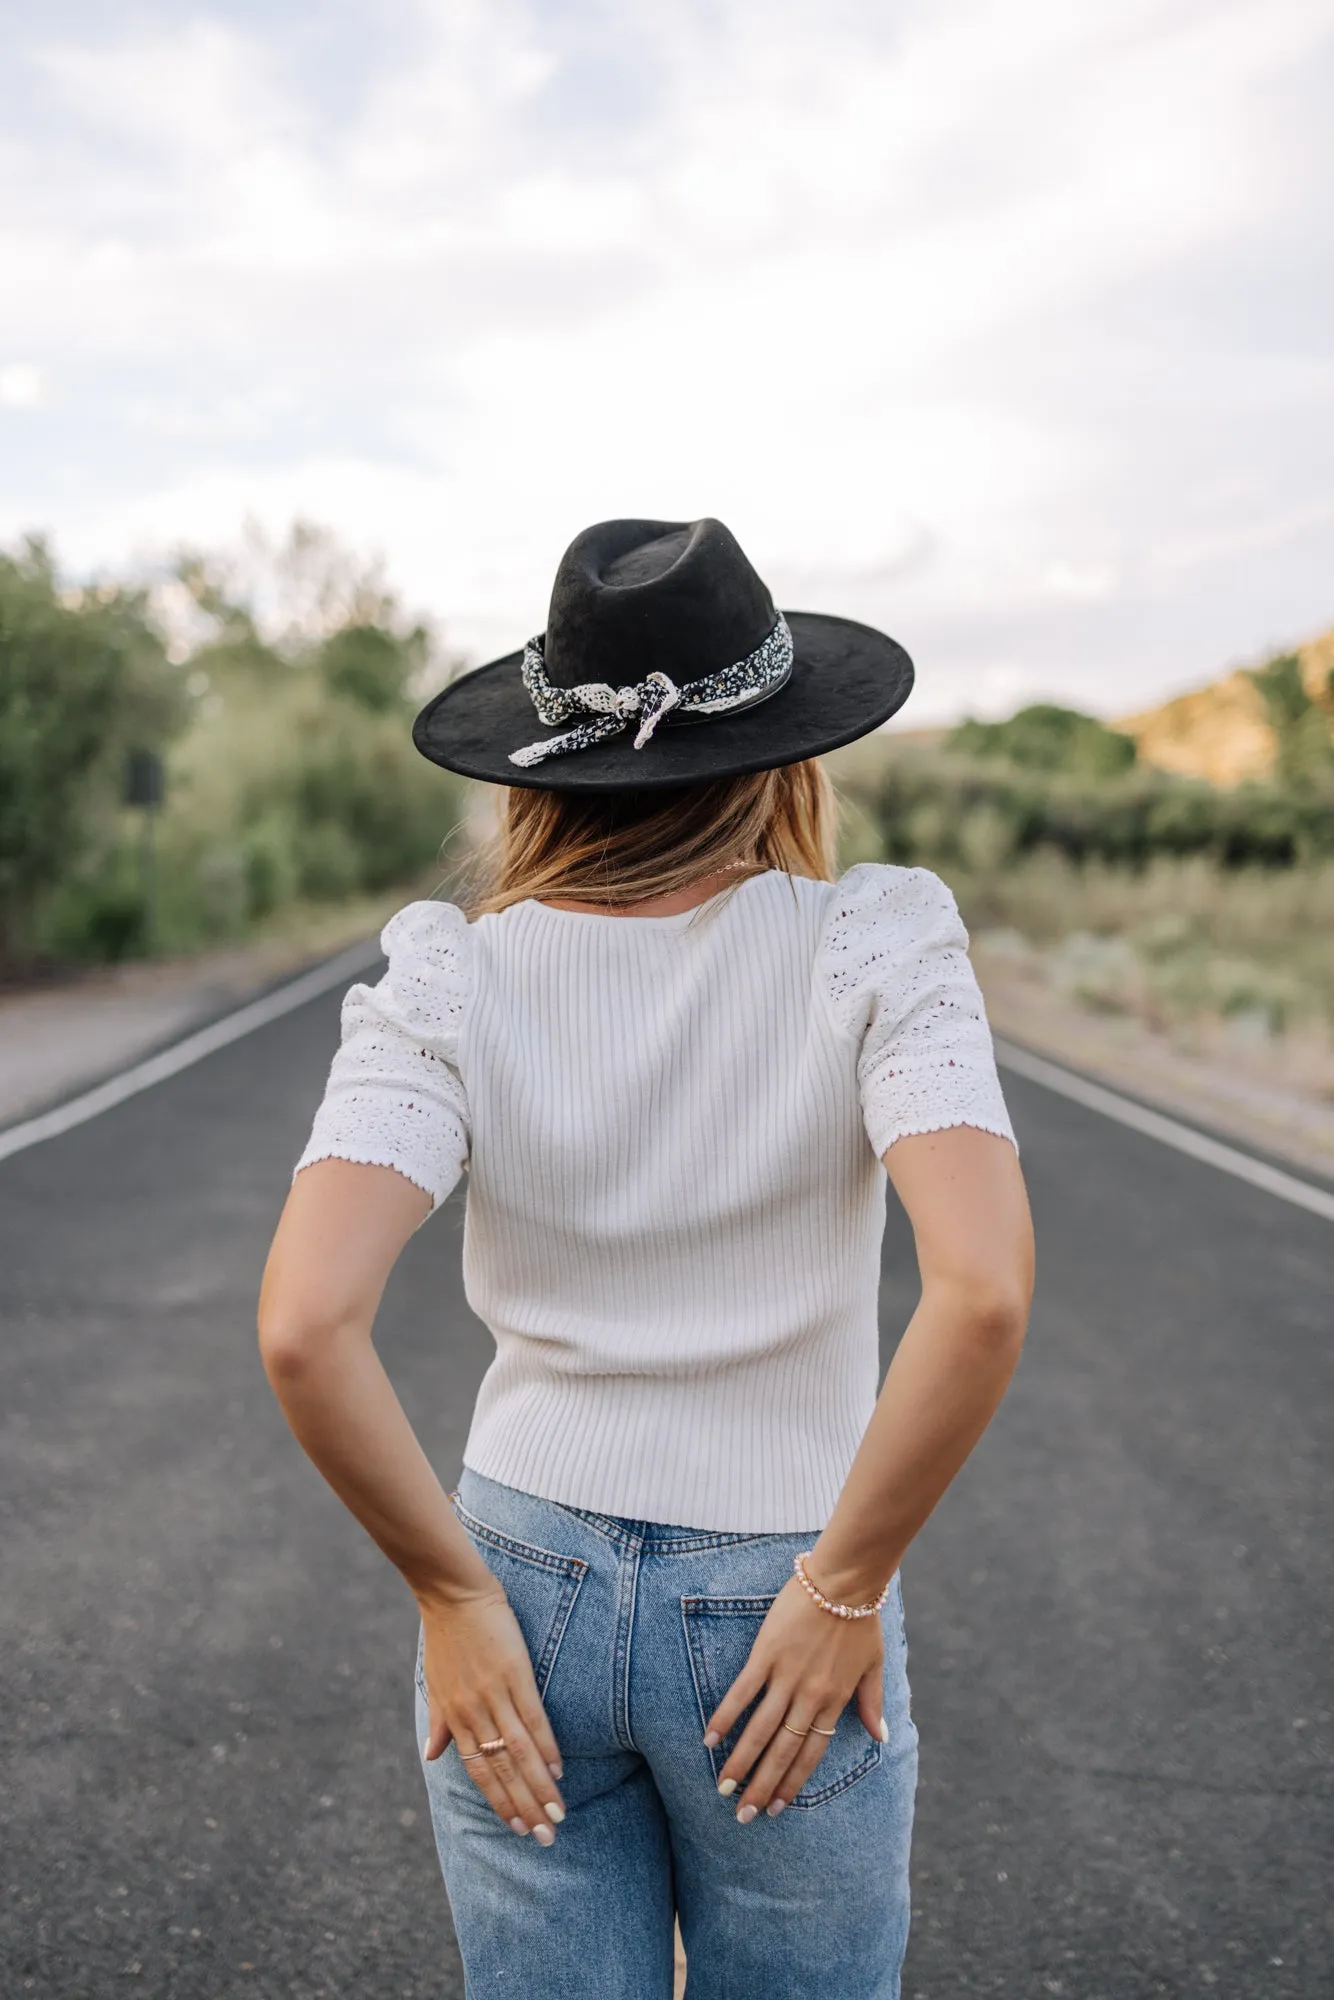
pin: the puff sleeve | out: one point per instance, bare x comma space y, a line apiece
395, 1097
893, 960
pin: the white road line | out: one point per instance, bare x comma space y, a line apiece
1156, 1125
181, 1055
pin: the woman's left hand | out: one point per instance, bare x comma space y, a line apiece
806, 1666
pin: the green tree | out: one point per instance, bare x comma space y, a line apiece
1305, 741
1047, 737
83, 678
291, 772
372, 665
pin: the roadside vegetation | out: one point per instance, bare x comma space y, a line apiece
276, 690
1130, 890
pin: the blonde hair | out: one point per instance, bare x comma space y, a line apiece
623, 847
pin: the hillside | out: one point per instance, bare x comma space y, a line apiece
1230, 730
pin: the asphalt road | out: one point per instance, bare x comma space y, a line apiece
1120, 1620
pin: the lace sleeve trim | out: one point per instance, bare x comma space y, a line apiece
897, 978
395, 1097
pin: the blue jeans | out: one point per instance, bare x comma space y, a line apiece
636, 1631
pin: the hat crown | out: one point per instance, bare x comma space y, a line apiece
633, 598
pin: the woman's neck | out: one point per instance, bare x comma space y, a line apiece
670, 905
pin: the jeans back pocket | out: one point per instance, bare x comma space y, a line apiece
720, 1632
541, 1587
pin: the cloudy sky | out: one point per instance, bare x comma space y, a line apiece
1006, 324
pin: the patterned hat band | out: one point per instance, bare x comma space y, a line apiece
607, 710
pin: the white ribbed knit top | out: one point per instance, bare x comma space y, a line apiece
674, 1129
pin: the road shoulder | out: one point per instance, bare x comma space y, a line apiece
1241, 1093
61, 1037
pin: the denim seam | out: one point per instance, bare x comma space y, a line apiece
627, 1582
631, 1535
701, 1544
733, 1607
570, 1566
545, 1667
697, 1675
862, 1769
571, 1569
605, 1525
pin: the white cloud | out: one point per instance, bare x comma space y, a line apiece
22, 387
952, 313
1084, 583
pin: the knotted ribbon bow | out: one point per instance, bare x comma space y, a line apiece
607, 710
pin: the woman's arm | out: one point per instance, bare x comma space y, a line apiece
964, 1196
340, 1235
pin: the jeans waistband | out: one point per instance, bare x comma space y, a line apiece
661, 1537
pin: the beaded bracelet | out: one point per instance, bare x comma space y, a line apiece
817, 1596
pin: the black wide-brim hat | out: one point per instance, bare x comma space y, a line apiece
664, 662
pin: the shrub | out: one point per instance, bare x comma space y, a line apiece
284, 790
83, 678
1141, 892
934, 806
290, 766
1305, 742
371, 666
1046, 737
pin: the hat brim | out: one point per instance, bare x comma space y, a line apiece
846, 680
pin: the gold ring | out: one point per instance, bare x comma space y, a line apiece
823, 1732
796, 1732
492, 1749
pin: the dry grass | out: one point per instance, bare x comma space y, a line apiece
1179, 936
1180, 939
1236, 969
1233, 964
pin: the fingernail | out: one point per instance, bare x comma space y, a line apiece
555, 1813
557, 1771
884, 1730
519, 1825
774, 1807
726, 1787
544, 1835
426, 1744
746, 1814
712, 1740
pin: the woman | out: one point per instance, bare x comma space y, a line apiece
662, 1666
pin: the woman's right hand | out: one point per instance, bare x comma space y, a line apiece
479, 1688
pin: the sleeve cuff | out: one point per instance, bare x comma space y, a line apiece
905, 1106
428, 1146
